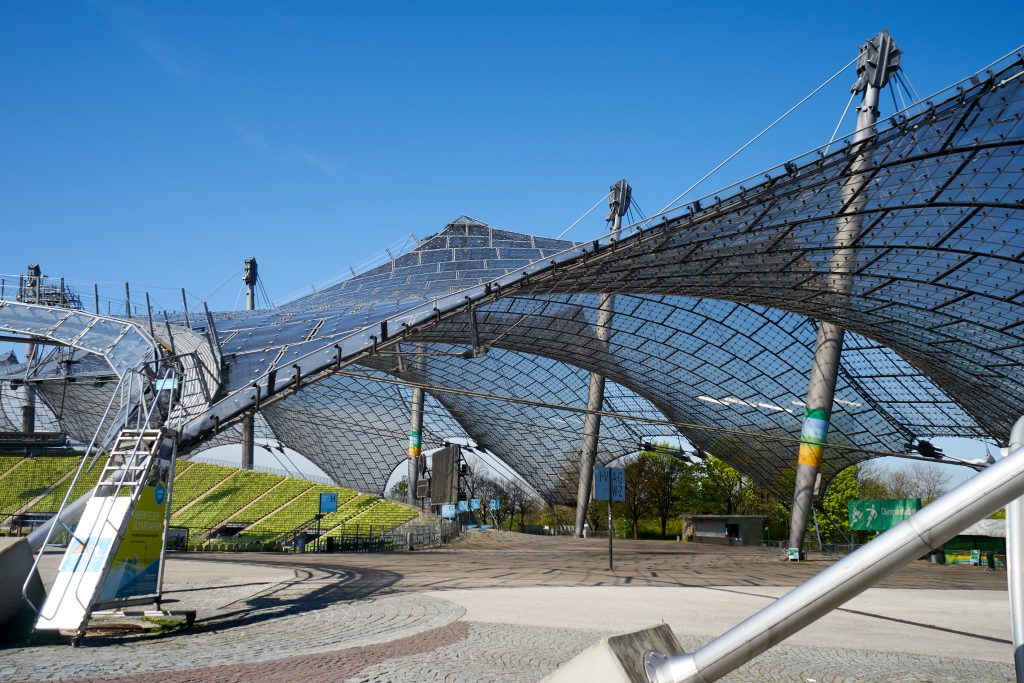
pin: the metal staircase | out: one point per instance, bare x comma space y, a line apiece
115, 555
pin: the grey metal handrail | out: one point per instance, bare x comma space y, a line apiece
148, 411
51, 525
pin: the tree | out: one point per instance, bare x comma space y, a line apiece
518, 501
724, 491
662, 473
490, 489
638, 494
843, 488
917, 480
400, 490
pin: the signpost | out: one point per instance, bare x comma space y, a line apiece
609, 485
328, 504
448, 511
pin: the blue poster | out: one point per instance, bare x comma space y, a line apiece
495, 504
463, 506
474, 504
328, 503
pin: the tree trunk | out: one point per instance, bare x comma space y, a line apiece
664, 523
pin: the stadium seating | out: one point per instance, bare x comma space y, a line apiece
300, 510
206, 497
197, 480
31, 479
52, 500
277, 497
9, 461
240, 489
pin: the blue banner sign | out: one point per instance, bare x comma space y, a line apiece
609, 484
448, 511
495, 504
328, 503
474, 504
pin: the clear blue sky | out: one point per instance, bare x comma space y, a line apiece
162, 143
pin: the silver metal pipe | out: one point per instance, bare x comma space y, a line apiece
1015, 562
69, 515
970, 502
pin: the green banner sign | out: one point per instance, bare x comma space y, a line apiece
881, 514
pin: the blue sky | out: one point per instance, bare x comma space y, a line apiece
163, 143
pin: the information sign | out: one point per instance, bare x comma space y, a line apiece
609, 484
328, 503
881, 514
495, 504
448, 511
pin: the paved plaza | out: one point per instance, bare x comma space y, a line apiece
507, 607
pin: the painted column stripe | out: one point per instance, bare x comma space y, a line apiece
813, 437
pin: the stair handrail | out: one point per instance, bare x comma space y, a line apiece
64, 502
124, 470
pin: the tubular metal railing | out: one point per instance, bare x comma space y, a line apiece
143, 415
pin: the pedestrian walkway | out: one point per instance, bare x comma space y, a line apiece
507, 607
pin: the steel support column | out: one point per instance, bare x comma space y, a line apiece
249, 275
879, 60
618, 202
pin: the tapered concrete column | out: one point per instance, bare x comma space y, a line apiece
879, 60
415, 442
248, 441
249, 275
33, 286
28, 408
618, 202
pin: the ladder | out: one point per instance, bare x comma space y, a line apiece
116, 551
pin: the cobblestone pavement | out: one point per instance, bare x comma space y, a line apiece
402, 617
269, 624
517, 654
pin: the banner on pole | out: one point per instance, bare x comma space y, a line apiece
328, 503
609, 484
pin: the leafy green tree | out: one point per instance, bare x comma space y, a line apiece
638, 494
843, 488
662, 474
400, 490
